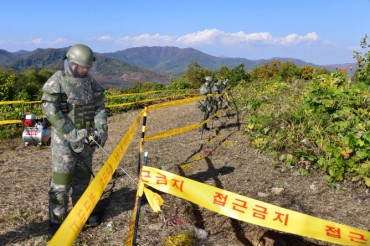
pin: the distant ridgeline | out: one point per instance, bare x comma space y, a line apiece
155, 64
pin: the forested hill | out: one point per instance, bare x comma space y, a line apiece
176, 59
112, 72
154, 64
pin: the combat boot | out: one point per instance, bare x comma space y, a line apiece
53, 227
93, 220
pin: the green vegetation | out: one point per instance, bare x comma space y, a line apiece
320, 123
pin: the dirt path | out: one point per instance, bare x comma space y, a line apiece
228, 163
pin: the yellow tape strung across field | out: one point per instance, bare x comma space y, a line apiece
32, 102
176, 102
75, 220
141, 101
253, 211
5, 122
149, 92
11, 102
119, 105
19, 102
180, 130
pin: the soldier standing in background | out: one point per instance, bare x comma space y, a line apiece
205, 104
216, 101
223, 86
74, 103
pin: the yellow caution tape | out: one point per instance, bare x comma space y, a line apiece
32, 102
19, 102
155, 200
75, 220
253, 211
148, 92
119, 105
173, 132
11, 102
176, 102
141, 101
5, 122
179, 130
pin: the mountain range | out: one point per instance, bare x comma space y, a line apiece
122, 68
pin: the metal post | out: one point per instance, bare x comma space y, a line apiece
141, 150
139, 206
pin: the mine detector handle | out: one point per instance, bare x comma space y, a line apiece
93, 138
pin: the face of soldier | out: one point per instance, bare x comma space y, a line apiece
78, 71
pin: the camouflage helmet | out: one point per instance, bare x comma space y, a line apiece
81, 55
208, 79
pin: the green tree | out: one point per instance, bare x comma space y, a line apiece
363, 59
7, 86
238, 74
195, 74
223, 73
288, 71
307, 72
179, 84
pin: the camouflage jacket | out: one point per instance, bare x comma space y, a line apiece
74, 103
206, 103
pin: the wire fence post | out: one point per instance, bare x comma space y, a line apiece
141, 148
139, 205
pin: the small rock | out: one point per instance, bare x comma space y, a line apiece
261, 194
155, 226
200, 233
277, 191
313, 187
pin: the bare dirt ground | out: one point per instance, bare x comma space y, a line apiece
228, 163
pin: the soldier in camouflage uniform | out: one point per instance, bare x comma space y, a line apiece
74, 103
216, 101
205, 105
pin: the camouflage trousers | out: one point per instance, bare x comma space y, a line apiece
206, 108
69, 170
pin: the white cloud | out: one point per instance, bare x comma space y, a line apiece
216, 37
105, 38
39, 42
200, 39
146, 39
244, 38
207, 36
295, 38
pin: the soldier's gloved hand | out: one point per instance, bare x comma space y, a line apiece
77, 139
97, 137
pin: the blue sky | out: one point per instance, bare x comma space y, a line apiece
317, 31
